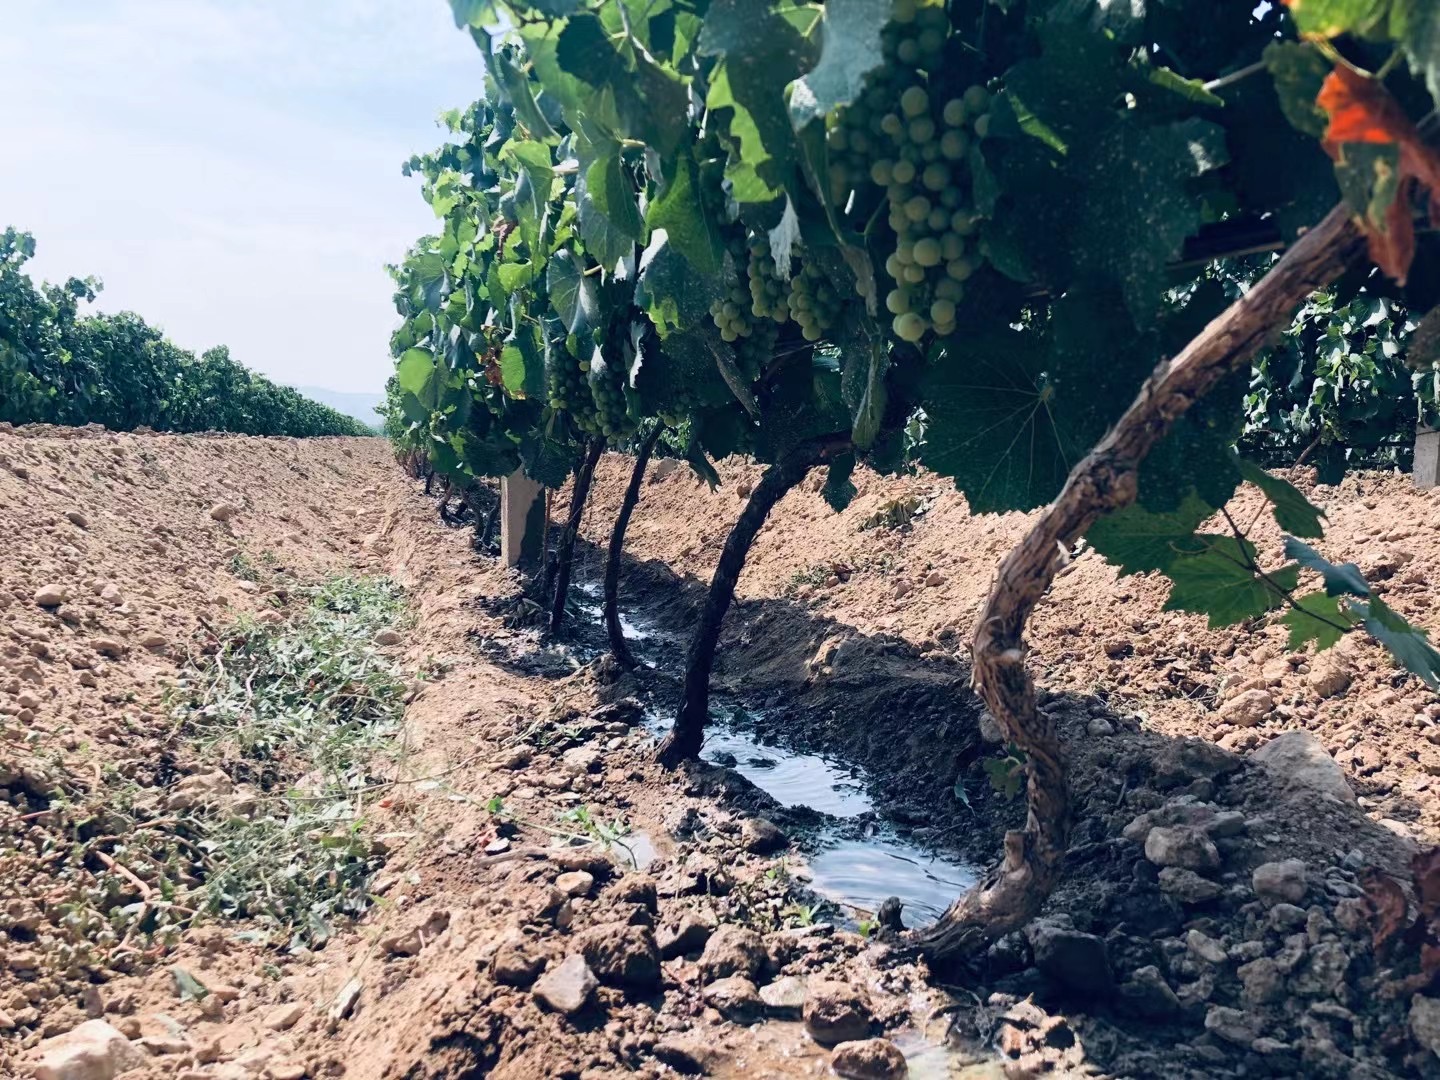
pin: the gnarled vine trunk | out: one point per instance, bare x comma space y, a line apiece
565, 550
618, 648
1105, 481
686, 737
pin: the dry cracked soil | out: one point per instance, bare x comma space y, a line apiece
540, 900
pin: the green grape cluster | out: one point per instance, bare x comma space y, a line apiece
732, 313
611, 417
769, 291
927, 186
683, 404
814, 303
754, 352
568, 390
909, 138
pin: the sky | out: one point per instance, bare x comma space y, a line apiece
231, 168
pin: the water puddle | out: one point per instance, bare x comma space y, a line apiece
863, 873
593, 605
856, 874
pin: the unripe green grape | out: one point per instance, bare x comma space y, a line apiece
952, 246
935, 177
960, 269
927, 252
836, 137
947, 288
942, 311
881, 172
893, 265
914, 101
937, 220
903, 171
859, 142
728, 334
953, 113
977, 99
921, 130
930, 152
891, 124
908, 327
917, 208
897, 301
898, 221
982, 126
908, 51
904, 11
905, 252
950, 198
914, 275
964, 222
932, 17
954, 145
944, 329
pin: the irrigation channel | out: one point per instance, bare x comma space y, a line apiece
854, 859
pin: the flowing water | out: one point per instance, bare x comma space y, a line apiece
856, 874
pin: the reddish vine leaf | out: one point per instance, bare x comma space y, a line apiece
1387, 907
1363, 116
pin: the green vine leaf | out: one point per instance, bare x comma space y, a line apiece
1138, 540
1317, 617
851, 50
1344, 578
681, 213
1293, 512
1299, 70
1219, 582
1408, 644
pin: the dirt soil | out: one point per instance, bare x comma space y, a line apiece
553, 905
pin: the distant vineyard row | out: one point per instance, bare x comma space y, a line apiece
59, 365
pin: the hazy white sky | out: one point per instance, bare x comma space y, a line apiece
231, 168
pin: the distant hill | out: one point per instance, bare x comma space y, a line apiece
360, 406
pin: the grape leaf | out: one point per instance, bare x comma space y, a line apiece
546, 460
1345, 578
572, 294
671, 290
1293, 512
680, 211
1329, 18
1131, 243
1317, 617
1137, 540
851, 50
1408, 644
1219, 582
417, 376
1299, 71
763, 53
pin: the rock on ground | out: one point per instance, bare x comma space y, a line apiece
869, 1059
1299, 759
92, 1051
566, 987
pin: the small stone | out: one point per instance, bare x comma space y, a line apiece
869, 1059
1263, 980
582, 759
760, 837
1280, 881
990, 731
76, 518
112, 595
1100, 727
1146, 993
223, 511
1425, 1022
166, 1045
902, 590
836, 1012
1247, 709
1299, 759
1187, 886
286, 1070
517, 962
1324, 971
92, 1051
154, 642
934, 578
1232, 1025
346, 1000
785, 997
1329, 675
733, 950
108, 647
387, 637
1286, 917
1181, 845
285, 1017
1073, 959
566, 987
688, 935
575, 883
621, 954
1206, 948
735, 998
51, 596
